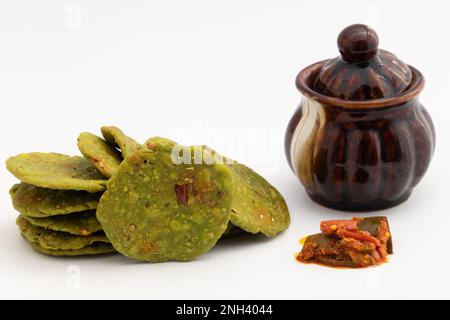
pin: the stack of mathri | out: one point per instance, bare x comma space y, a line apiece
58, 194
156, 202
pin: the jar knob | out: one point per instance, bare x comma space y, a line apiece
357, 43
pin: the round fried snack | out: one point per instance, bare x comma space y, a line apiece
118, 139
42, 202
103, 156
156, 210
56, 171
79, 224
159, 143
257, 206
55, 240
95, 249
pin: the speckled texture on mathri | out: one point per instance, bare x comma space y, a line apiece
103, 156
55, 240
167, 145
79, 224
145, 220
56, 171
118, 139
257, 206
42, 202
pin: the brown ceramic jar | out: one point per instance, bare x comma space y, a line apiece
360, 140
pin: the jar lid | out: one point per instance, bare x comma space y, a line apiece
362, 72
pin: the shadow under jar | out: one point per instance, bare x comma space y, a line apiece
360, 140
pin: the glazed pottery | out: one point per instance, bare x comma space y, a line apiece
360, 139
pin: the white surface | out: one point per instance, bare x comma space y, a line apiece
220, 73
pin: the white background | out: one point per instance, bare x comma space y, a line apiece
219, 73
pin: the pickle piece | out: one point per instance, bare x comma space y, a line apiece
118, 139
79, 224
42, 202
155, 210
372, 225
355, 243
97, 248
56, 171
55, 240
103, 156
326, 250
